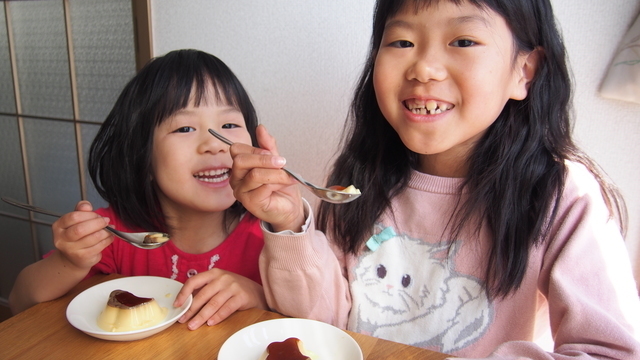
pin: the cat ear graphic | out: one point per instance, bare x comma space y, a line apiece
376, 240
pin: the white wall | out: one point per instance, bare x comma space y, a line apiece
299, 60
607, 129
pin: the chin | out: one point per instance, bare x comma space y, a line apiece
223, 202
213, 201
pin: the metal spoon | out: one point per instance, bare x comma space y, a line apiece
143, 240
332, 195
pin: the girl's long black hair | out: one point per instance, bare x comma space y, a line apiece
516, 171
120, 155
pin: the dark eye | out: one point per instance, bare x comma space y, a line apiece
406, 280
230, 126
381, 271
401, 44
463, 43
185, 129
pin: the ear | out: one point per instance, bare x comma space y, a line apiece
524, 72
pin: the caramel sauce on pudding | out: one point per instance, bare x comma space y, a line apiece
125, 300
289, 349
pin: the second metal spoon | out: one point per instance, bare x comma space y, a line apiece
143, 240
329, 195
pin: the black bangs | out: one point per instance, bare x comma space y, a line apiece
183, 75
385, 10
391, 8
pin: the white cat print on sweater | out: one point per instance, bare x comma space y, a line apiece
409, 291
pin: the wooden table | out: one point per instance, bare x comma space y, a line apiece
43, 332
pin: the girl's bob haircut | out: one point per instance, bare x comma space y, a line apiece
120, 155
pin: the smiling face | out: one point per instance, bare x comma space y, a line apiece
191, 168
442, 76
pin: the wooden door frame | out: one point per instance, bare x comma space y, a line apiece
142, 31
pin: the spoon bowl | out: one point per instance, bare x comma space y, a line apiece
333, 194
143, 240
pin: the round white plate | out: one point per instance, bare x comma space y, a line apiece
84, 309
326, 341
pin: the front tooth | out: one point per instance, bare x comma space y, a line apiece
431, 105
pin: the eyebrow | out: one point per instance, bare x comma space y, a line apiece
397, 23
471, 19
226, 109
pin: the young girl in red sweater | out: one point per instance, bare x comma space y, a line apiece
156, 165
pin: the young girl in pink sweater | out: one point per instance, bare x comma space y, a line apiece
482, 229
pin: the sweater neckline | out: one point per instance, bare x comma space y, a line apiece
243, 223
435, 184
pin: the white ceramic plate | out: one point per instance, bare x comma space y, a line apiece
84, 309
327, 341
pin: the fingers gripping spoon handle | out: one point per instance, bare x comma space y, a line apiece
143, 240
333, 194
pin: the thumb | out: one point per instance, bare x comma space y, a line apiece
84, 206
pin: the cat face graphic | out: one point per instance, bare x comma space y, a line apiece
398, 288
408, 290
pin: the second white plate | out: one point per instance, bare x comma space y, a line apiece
325, 340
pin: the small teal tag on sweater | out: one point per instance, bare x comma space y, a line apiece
376, 240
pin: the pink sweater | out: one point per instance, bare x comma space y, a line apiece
406, 286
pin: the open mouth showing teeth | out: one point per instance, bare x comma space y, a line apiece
212, 176
430, 107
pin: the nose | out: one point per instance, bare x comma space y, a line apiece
211, 144
427, 66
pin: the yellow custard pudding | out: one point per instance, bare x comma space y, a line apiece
127, 312
351, 190
157, 238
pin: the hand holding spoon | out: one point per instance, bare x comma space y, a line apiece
333, 194
143, 240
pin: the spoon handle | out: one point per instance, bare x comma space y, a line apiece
330, 195
220, 137
229, 142
51, 213
294, 175
300, 179
29, 207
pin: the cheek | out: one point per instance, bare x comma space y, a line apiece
245, 139
381, 89
381, 77
388, 80
242, 137
163, 163
157, 174
154, 164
